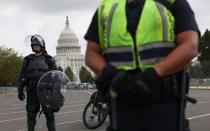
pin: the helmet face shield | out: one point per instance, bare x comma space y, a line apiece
32, 40
37, 40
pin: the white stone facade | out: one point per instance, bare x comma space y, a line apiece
68, 51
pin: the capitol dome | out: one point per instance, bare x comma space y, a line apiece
68, 36
68, 51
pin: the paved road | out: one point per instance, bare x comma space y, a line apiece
13, 115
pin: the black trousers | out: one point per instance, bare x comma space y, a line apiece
33, 108
152, 117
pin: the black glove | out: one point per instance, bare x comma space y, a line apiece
21, 96
104, 79
162, 88
121, 84
128, 91
151, 81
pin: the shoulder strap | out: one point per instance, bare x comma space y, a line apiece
47, 59
27, 59
50, 62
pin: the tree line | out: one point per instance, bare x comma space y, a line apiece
84, 75
11, 61
200, 68
10, 64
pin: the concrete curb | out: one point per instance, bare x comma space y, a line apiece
200, 87
7, 93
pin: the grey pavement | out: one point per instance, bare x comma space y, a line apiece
69, 118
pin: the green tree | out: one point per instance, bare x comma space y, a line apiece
9, 67
85, 76
69, 73
204, 47
204, 53
196, 71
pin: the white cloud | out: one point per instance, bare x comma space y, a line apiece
47, 18
201, 10
19, 21
53, 6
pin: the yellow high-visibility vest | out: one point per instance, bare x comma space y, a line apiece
154, 40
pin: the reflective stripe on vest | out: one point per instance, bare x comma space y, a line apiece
109, 21
164, 21
154, 52
119, 56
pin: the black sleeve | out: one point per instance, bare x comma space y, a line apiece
184, 17
22, 77
92, 33
50, 61
52, 64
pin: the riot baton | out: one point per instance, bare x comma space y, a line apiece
183, 99
114, 111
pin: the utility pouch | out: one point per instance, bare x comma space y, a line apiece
169, 88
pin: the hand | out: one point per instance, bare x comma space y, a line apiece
162, 88
21, 96
149, 85
113, 94
129, 91
104, 79
120, 85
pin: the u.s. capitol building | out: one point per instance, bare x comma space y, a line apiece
68, 51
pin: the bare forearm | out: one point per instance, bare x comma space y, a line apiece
179, 57
94, 59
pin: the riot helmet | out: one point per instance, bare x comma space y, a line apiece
37, 40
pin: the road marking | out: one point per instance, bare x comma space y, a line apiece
68, 112
88, 92
200, 102
19, 106
13, 119
41, 115
74, 105
12, 113
14, 108
58, 124
22, 130
69, 122
195, 117
76, 101
9, 113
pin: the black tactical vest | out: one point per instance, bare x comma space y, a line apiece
37, 66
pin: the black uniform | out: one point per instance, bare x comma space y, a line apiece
33, 68
152, 117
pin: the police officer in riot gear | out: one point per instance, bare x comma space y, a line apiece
33, 67
138, 49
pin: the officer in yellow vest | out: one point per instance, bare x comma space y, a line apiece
138, 49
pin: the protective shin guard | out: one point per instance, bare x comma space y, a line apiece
51, 125
31, 121
50, 121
